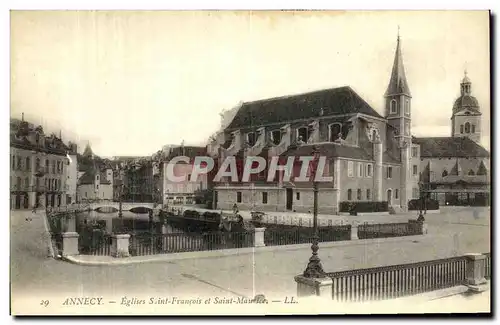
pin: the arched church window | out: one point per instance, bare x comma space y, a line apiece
335, 130
461, 128
374, 135
445, 173
471, 173
467, 127
393, 106
407, 107
472, 128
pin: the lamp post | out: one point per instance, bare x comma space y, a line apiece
314, 268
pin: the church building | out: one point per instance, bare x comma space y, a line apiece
370, 157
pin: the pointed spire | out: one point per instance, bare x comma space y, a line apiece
398, 84
22, 117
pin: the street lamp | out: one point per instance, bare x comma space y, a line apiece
314, 268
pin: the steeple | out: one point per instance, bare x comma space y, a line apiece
88, 151
398, 84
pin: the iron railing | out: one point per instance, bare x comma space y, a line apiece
150, 244
398, 280
97, 243
277, 236
385, 230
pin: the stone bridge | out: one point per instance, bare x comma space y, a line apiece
108, 206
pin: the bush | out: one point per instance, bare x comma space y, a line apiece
430, 204
367, 206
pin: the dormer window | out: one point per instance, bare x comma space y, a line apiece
445, 173
334, 132
251, 139
302, 134
393, 106
276, 137
471, 173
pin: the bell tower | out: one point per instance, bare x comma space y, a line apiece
398, 98
398, 115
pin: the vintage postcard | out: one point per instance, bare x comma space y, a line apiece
249, 162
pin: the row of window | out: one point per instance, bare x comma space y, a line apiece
471, 172
393, 106
302, 134
368, 196
467, 128
51, 184
263, 197
367, 168
18, 163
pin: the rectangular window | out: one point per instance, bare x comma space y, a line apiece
360, 169
349, 168
297, 195
415, 170
396, 193
359, 194
369, 170
19, 163
414, 152
251, 139
389, 172
368, 195
264, 197
302, 134
238, 197
349, 194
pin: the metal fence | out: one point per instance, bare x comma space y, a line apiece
301, 235
398, 280
95, 243
385, 230
150, 244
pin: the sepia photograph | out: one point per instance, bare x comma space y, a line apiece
250, 162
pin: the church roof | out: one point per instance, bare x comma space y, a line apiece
326, 102
466, 101
440, 147
398, 83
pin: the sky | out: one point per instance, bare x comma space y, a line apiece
130, 82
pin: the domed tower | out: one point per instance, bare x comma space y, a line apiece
466, 117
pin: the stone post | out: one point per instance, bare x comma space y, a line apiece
70, 243
354, 232
475, 272
119, 245
259, 237
321, 287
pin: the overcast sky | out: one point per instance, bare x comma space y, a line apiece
131, 82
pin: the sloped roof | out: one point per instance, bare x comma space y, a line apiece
326, 102
440, 147
89, 177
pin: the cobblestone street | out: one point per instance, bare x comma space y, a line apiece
32, 273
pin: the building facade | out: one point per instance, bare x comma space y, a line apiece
95, 185
182, 192
38, 167
370, 157
456, 169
